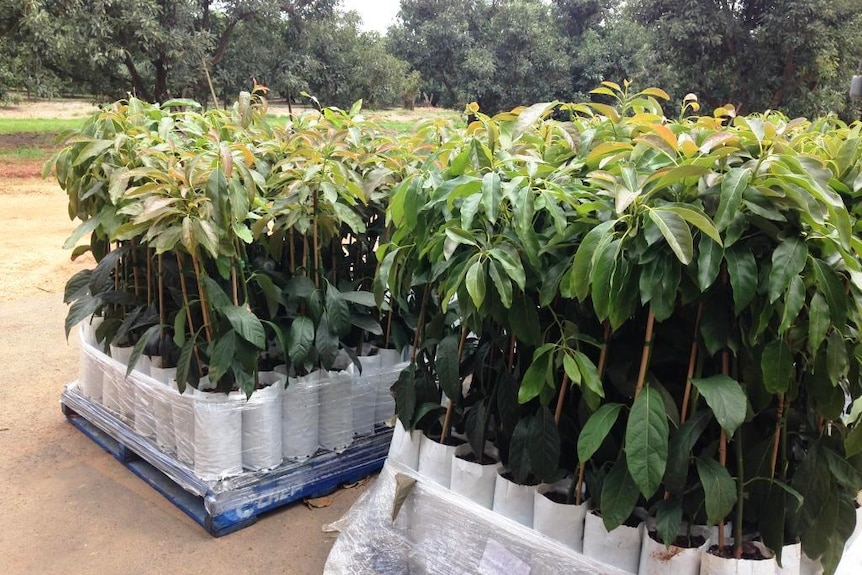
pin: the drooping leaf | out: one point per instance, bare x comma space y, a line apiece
619, 495
788, 260
742, 269
709, 257
326, 342
776, 364
818, 322
502, 283
447, 363
246, 324
668, 519
832, 288
589, 373
679, 450
581, 271
733, 185
543, 445
337, 311
675, 231
836, 356
519, 454
300, 339
647, 441
596, 430
536, 376
725, 398
476, 283
719, 489
794, 299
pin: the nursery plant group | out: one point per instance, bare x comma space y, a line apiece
659, 309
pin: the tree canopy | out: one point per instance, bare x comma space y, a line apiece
794, 55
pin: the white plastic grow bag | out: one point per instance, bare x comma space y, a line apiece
336, 411
435, 460
218, 435
659, 559
713, 565
364, 394
472, 479
261, 424
621, 548
513, 500
300, 416
562, 522
404, 447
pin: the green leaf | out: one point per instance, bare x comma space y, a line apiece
519, 451
733, 185
469, 207
404, 391
596, 430
337, 311
366, 323
853, 442
719, 490
138, 350
830, 285
604, 267
363, 298
818, 322
91, 150
543, 445
184, 363
582, 264
491, 195
529, 116
300, 339
776, 365
512, 265
503, 284
79, 311
326, 343
679, 450
742, 269
476, 283
84, 229
675, 231
709, 258
836, 356
647, 441
536, 376
221, 357
619, 495
77, 286
247, 325
589, 373
788, 260
447, 363
572, 369
725, 398
794, 299
668, 519
697, 218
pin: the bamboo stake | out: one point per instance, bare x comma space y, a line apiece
692, 362
134, 251
777, 437
512, 341
645, 356
722, 442
150, 276
558, 413
316, 241
388, 325
420, 323
188, 308
202, 292
292, 251
161, 289
603, 358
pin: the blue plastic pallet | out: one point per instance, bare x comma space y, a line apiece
231, 504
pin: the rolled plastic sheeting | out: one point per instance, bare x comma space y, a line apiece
300, 416
183, 411
261, 424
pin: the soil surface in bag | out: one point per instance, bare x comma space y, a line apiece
558, 497
631, 521
471, 458
750, 552
530, 481
683, 541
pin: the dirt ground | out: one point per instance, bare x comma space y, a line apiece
67, 507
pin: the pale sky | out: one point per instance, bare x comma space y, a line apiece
376, 14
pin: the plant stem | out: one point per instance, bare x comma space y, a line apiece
134, 252
202, 292
692, 363
776, 441
722, 445
420, 323
561, 399
314, 231
161, 281
512, 344
645, 356
189, 319
149, 276
388, 325
233, 283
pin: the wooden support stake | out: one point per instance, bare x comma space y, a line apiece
603, 358
645, 356
450, 405
692, 362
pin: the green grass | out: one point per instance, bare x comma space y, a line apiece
38, 125
25, 153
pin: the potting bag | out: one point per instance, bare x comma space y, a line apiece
336, 412
364, 393
300, 416
439, 532
261, 424
218, 435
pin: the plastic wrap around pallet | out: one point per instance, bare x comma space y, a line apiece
439, 532
221, 435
